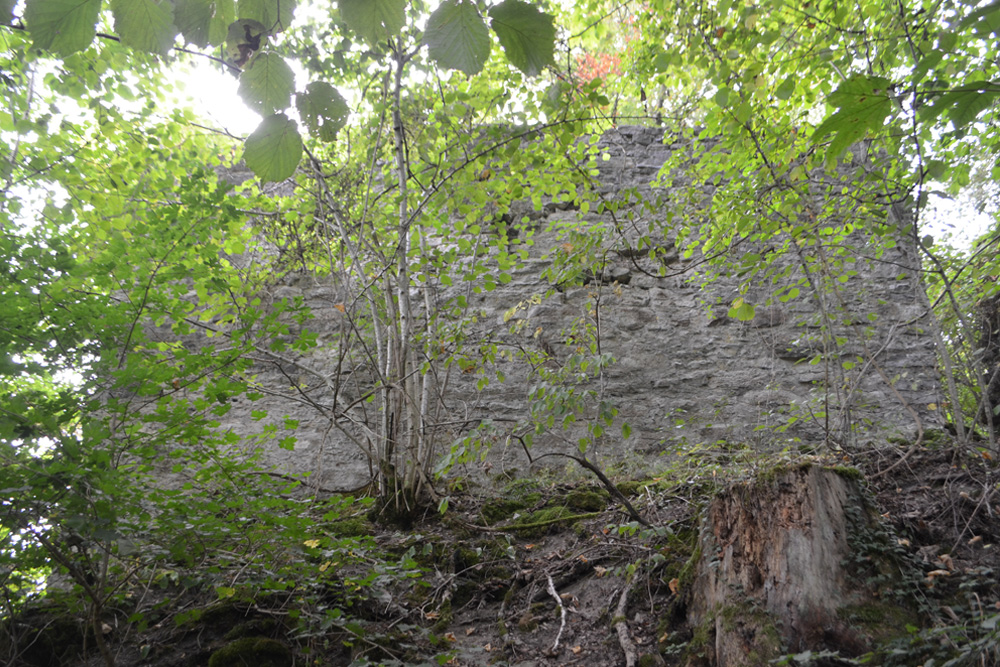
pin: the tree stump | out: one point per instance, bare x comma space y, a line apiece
772, 576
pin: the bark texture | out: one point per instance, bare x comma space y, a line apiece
771, 576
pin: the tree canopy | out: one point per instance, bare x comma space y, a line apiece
395, 138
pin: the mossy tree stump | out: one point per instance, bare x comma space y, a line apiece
772, 575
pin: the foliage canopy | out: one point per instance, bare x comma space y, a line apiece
133, 277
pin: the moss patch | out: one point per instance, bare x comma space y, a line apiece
539, 523
501, 509
252, 652
356, 527
588, 499
879, 621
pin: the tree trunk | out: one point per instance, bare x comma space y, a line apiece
772, 576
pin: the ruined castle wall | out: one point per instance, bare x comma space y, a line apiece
684, 374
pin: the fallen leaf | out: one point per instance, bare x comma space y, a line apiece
450, 636
469, 631
432, 615
600, 571
576, 649
977, 538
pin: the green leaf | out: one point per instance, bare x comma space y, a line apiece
864, 105
741, 310
457, 37
225, 592
743, 112
984, 21
526, 35
275, 15
787, 87
373, 20
274, 149
267, 84
147, 25
7, 11
244, 38
204, 22
965, 102
323, 110
61, 26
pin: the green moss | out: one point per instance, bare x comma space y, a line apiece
648, 660
588, 499
879, 621
757, 628
252, 652
702, 637
466, 558
528, 622
686, 576
540, 522
500, 509
847, 472
631, 487
445, 617
252, 628
356, 527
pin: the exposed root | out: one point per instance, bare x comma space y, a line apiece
628, 648
562, 614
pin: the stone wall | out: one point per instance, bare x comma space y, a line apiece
684, 373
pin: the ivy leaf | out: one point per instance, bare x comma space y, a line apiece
457, 37
526, 35
267, 85
373, 20
323, 110
146, 25
276, 15
204, 22
62, 26
274, 149
864, 104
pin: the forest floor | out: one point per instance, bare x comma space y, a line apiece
551, 571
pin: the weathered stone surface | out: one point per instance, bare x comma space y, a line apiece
684, 372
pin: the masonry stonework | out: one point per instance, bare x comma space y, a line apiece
684, 373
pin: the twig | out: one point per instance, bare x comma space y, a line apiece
562, 613
622, 627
